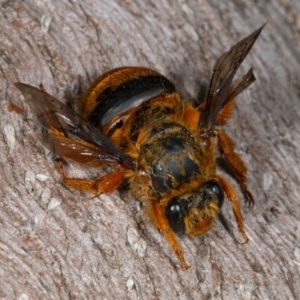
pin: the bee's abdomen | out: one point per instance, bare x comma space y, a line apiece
120, 90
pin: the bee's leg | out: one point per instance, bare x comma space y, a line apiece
235, 161
106, 184
162, 224
233, 198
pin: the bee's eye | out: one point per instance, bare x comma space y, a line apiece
175, 215
212, 190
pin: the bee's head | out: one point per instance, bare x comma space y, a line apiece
185, 211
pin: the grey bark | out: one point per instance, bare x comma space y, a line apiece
56, 243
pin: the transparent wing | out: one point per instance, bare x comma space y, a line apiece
80, 151
238, 85
223, 73
64, 125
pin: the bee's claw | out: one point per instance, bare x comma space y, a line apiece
249, 199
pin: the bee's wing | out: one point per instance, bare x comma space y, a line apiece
238, 85
223, 73
62, 121
81, 152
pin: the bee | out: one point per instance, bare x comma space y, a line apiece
165, 149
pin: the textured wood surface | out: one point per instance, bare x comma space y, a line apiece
56, 243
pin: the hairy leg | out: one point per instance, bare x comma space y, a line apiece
162, 224
235, 161
233, 198
106, 184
